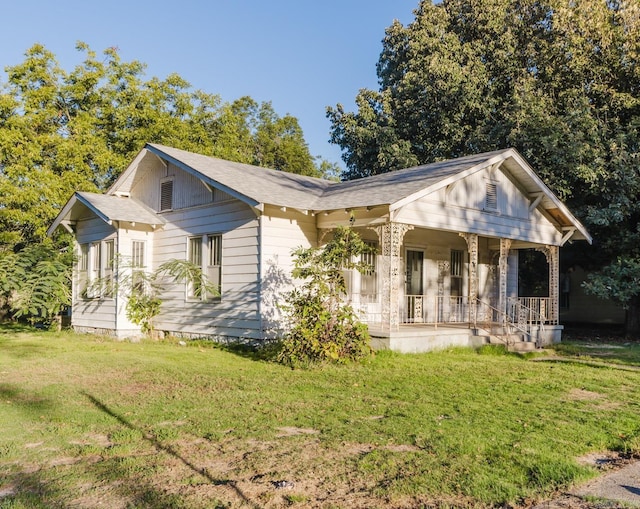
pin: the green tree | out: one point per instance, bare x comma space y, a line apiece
323, 326
556, 79
35, 283
62, 131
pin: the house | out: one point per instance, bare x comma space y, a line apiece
448, 238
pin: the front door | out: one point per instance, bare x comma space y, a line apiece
414, 284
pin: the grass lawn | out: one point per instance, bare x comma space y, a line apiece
92, 422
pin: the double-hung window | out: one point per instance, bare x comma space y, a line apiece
95, 269
138, 265
205, 252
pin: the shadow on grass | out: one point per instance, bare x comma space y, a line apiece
266, 352
169, 450
29, 403
599, 345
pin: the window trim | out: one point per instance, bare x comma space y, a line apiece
204, 261
94, 265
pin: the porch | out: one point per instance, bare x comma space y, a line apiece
435, 322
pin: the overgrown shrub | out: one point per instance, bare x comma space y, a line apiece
323, 326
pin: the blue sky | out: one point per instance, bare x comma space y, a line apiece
302, 55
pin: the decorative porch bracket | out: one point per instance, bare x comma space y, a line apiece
390, 236
472, 247
552, 254
503, 264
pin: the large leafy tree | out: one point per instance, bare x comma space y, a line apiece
557, 79
62, 131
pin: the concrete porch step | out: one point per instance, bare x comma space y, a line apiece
513, 342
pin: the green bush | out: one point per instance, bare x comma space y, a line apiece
324, 327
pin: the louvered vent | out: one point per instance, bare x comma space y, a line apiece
166, 195
491, 200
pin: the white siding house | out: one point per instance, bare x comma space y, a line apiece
447, 234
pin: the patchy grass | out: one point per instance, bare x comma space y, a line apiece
88, 421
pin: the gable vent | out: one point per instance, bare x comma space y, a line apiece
491, 199
166, 195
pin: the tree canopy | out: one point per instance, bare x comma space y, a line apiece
62, 131
559, 80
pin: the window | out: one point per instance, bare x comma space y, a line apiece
166, 195
368, 279
108, 256
491, 198
83, 270
194, 252
95, 269
137, 254
138, 264
214, 264
206, 253
457, 261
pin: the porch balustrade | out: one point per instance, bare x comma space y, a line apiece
434, 310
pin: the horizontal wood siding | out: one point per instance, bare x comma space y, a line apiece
94, 313
462, 208
188, 191
432, 213
282, 232
236, 314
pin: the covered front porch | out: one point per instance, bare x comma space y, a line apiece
431, 289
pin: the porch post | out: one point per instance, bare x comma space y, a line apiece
472, 246
390, 236
553, 259
503, 264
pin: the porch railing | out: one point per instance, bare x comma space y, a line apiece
520, 314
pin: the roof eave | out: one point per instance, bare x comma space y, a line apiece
496, 159
553, 198
183, 166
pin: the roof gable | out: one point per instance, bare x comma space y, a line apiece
109, 208
259, 186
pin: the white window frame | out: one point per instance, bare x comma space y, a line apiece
138, 263
94, 266
209, 258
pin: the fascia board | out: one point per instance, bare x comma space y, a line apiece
549, 194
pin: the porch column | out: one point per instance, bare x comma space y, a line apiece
472, 247
552, 254
390, 236
503, 264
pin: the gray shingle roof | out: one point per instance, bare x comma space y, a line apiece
289, 190
118, 208
262, 185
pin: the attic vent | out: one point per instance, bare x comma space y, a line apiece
491, 199
166, 195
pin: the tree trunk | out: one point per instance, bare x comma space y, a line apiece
632, 329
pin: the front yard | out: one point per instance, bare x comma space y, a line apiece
92, 422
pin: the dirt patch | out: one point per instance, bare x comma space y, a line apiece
289, 431
584, 395
606, 460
